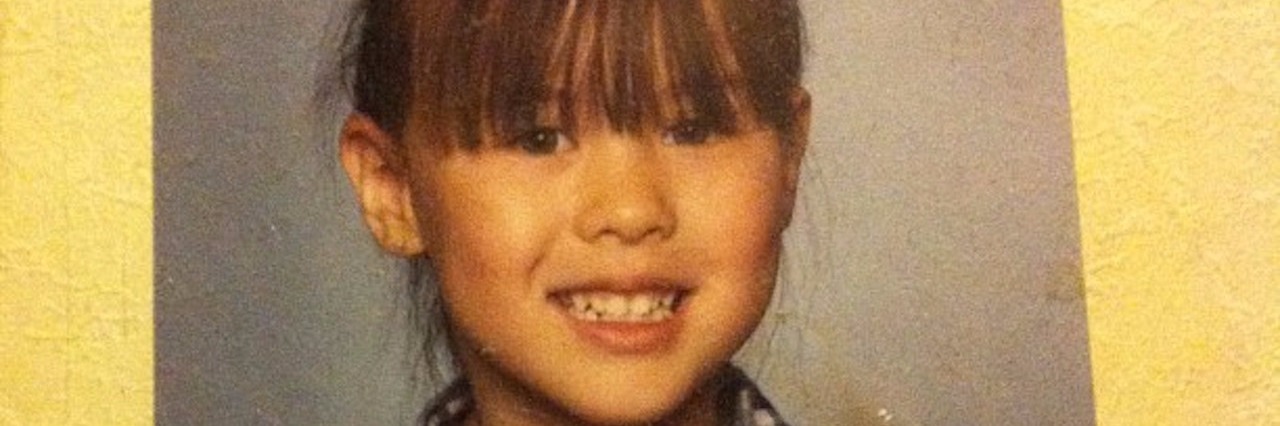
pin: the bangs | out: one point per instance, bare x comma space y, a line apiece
502, 65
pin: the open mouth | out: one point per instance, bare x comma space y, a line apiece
650, 306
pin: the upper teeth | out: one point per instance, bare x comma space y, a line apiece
606, 306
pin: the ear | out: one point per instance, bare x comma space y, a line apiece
797, 141
378, 172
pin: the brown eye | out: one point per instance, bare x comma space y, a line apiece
541, 141
689, 132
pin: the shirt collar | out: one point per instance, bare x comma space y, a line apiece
742, 404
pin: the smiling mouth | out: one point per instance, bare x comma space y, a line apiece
651, 306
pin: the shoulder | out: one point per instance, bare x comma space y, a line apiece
745, 404
449, 408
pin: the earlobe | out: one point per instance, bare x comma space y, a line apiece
377, 169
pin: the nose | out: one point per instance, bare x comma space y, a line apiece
624, 193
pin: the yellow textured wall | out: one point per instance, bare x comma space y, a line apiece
75, 212
1176, 120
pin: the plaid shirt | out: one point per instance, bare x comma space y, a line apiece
741, 404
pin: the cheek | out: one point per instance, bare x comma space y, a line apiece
485, 235
734, 213
739, 260
485, 197
739, 206
743, 235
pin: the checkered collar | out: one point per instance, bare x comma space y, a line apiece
741, 404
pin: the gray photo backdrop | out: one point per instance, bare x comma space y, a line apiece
932, 274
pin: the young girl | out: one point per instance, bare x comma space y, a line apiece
598, 188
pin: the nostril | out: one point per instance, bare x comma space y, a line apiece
624, 191
628, 222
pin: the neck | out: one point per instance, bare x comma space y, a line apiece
701, 410
501, 401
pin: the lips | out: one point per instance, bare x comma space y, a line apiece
625, 317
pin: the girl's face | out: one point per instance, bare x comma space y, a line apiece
599, 275
606, 236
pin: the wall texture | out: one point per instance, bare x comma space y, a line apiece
75, 212
1177, 129
1174, 112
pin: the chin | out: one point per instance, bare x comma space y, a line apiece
620, 409
638, 397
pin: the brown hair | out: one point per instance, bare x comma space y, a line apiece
456, 65
453, 65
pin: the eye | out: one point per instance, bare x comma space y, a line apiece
688, 132
541, 141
